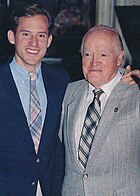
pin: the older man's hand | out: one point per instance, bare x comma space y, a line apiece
131, 77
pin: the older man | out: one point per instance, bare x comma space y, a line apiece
101, 122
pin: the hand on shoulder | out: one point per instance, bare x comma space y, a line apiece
132, 76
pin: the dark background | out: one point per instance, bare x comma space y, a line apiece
129, 19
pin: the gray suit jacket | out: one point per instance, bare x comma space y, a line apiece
113, 167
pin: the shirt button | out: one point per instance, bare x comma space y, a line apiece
33, 183
85, 176
38, 160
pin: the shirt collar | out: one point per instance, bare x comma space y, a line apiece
23, 73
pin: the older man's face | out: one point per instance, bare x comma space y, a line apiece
100, 58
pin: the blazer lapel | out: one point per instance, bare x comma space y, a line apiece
9, 90
54, 103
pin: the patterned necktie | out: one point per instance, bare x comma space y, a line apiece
89, 128
35, 112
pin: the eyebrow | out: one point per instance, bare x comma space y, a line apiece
87, 50
102, 50
44, 32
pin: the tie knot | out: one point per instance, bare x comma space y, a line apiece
98, 93
33, 75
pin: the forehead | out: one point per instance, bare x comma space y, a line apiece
99, 37
38, 21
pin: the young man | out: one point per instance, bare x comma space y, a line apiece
101, 122
31, 154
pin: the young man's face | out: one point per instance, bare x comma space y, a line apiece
31, 41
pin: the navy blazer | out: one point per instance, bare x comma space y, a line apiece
20, 166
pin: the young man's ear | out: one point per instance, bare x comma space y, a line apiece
49, 41
11, 36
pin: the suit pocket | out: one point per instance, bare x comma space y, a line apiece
125, 122
131, 190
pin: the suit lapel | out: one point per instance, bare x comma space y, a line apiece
107, 118
72, 108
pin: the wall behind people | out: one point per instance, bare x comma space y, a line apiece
6, 49
53, 6
70, 25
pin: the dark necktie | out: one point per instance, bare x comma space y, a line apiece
89, 128
35, 112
